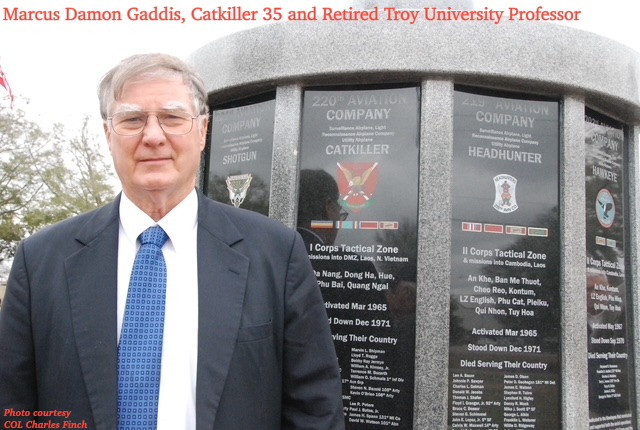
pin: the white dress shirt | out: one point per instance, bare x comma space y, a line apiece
177, 403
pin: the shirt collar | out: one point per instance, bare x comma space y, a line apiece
179, 223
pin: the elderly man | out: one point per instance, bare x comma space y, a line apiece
165, 309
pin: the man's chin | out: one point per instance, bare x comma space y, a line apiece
157, 177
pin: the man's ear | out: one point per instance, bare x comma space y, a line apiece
107, 133
203, 132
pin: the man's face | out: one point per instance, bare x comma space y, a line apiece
154, 162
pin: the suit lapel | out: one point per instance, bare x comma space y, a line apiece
222, 277
92, 280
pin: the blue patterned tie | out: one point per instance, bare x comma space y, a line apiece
140, 349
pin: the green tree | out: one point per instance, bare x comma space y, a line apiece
18, 188
46, 177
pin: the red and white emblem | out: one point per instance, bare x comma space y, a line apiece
505, 199
357, 184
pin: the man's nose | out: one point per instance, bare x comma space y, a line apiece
153, 132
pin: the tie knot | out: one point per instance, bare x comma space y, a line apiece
153, 235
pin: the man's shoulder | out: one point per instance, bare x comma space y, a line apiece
247, 222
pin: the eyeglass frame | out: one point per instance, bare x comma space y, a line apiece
149, 113
342, 214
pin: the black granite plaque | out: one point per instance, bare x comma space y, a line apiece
504, 320
609, 341
358, 217
240, 160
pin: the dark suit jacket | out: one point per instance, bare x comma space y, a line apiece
266, 358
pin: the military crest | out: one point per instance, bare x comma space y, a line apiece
505, 199
605, 208
238, 185
357, 184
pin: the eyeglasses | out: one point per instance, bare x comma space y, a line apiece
132, 123
343, 214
